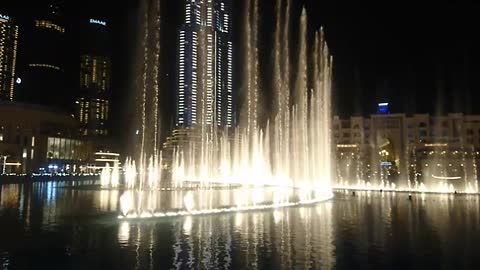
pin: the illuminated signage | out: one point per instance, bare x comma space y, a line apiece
98, 22
386, 164
383, 108
4, 17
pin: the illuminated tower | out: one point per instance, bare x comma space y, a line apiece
93, 103
205, 64
8, 56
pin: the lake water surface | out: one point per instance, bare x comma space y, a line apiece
50, 226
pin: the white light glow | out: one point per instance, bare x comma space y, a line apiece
94, 21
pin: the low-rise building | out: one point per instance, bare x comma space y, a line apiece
37, 139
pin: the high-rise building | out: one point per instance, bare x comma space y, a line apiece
8, 56
44, 59
205, 79
93, 103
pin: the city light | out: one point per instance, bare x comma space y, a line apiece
107, 154
94, 21
347, 146
4, 17
383, 108
436, 145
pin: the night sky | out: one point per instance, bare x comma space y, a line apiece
419, 58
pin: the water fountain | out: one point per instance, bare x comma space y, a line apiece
436, 169
286, 162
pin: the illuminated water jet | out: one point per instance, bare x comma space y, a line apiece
285, 162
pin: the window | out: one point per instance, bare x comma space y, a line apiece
63, 149
49, 25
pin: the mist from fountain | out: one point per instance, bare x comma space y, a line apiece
294, 149
438, 172
291, 153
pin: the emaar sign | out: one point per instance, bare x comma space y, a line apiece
98, 22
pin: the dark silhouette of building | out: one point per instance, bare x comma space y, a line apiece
44, 59
93, 101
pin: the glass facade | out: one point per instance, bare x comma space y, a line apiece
66, 149
8, 57
205, 51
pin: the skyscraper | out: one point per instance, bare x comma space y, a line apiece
93, 104
44, 50
205, 79
8, 56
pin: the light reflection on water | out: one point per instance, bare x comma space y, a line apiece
49, 225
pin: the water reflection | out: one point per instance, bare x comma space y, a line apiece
371, 228
283, 238
45, 203
124, 233
391, 230
58, 226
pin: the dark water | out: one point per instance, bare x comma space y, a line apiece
43, 226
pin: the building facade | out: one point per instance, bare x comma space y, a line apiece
400, 146
39, 139
205, 78
8, 57
93, 102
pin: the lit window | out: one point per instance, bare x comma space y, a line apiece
49, 25
45, 66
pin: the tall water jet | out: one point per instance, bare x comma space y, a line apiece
263, 155
290, 152
281, 93
285, 122
300, 109
252, 65
147, 114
